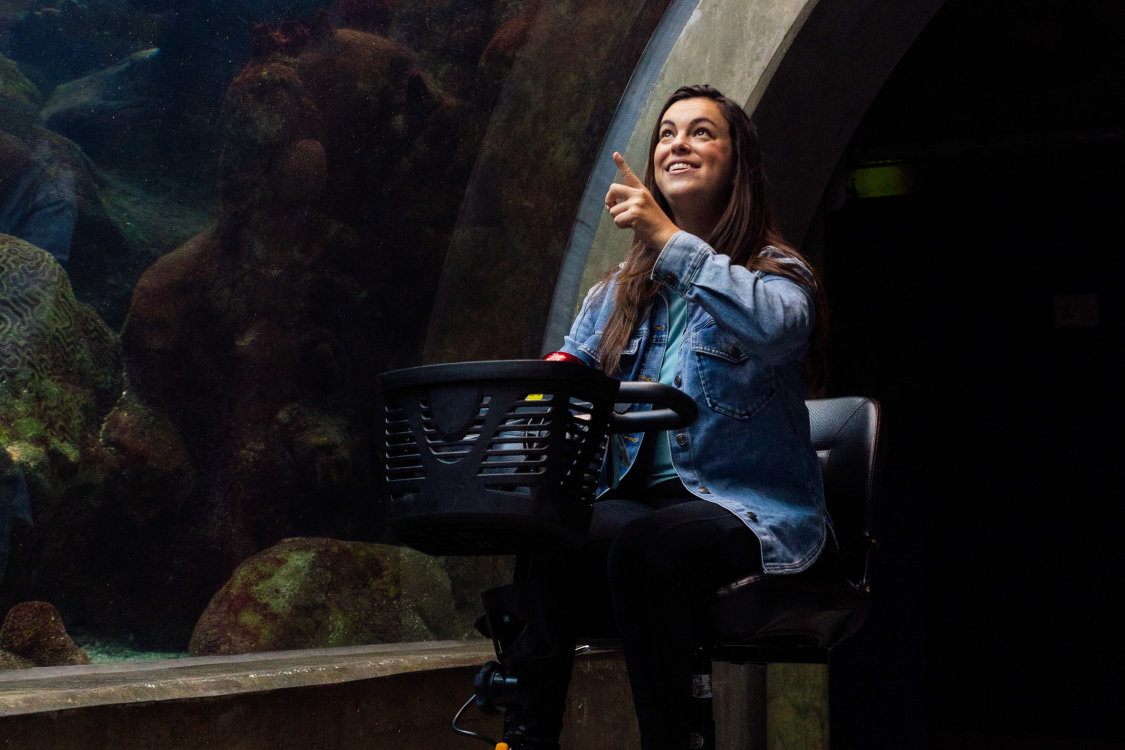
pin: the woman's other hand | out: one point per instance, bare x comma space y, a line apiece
632, 206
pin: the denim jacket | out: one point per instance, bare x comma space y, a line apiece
742, 361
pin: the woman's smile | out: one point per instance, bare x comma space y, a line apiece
680, 166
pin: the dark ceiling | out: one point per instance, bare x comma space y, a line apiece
1003, 69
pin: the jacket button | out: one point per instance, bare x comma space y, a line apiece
670, 278
678, 381
704, 491
681, 439
752, 516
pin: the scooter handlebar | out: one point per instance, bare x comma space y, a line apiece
677, 409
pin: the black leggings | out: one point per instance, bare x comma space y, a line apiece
648, 562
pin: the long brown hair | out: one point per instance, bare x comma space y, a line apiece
746, 228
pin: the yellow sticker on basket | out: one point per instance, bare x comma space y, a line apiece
533, 397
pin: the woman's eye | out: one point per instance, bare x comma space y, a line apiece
702, 131
666, 134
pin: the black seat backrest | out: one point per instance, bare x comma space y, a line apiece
845, 434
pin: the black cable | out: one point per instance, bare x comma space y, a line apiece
466, 732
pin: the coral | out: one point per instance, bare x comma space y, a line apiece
34, 632
317, 593
59, 362
60, 373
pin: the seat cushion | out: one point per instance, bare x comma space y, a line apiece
818, 607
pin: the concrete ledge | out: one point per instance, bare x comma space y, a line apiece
59, 688
399, 695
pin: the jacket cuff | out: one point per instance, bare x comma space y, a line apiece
680, 261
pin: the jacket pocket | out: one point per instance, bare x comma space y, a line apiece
733, 383
594, 341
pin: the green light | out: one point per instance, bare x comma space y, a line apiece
882, 180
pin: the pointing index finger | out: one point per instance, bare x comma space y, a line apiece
627, 175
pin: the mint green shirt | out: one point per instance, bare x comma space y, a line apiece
654, 462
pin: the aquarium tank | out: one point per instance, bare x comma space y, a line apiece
220, 221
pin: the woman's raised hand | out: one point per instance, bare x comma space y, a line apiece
632, 206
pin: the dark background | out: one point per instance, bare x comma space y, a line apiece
983, 308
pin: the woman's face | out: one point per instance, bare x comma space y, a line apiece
692, 161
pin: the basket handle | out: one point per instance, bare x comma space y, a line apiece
677, 408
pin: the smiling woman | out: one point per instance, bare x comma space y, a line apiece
722, 199
710, 301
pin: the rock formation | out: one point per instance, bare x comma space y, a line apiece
33, 635
318, 593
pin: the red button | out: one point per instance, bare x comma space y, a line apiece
561, 357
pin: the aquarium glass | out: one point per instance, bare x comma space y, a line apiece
220, 221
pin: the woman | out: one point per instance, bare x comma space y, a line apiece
709, 300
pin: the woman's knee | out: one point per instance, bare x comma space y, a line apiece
640, 552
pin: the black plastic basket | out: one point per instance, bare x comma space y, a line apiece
503, 457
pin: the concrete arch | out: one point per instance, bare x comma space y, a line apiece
807, 71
